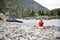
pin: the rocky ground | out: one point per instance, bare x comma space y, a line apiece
21, 31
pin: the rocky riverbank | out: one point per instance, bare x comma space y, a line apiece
21, 31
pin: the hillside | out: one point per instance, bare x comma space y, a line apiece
19, 7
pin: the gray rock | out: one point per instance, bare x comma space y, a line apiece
16, 31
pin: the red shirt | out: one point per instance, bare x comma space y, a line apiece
41, 24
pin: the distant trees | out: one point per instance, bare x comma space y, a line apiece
32, 13
3, 6
51, 13
58, 12
41, 13
54, 12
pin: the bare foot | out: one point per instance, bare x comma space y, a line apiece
48, 26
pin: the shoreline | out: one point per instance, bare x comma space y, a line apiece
15, 30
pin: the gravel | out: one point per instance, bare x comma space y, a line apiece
22, 31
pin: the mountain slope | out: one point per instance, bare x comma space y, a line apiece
28, 4
19, 7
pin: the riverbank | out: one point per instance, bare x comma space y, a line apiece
22, 31
42, 17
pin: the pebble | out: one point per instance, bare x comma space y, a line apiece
18, 31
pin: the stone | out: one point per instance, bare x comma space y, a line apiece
17, 31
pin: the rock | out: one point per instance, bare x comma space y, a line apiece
17, 31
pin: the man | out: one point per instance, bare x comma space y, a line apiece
41, 24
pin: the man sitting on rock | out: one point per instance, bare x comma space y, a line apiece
41, 23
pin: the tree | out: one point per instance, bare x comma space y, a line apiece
32, 13
42, 13
39, 12
58, 13
52, 14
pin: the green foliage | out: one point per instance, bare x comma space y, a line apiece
32, 13
3, 6
41, 13
54, 12
1, 11
51, 13
58, 13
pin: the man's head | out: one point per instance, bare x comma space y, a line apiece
41, 20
